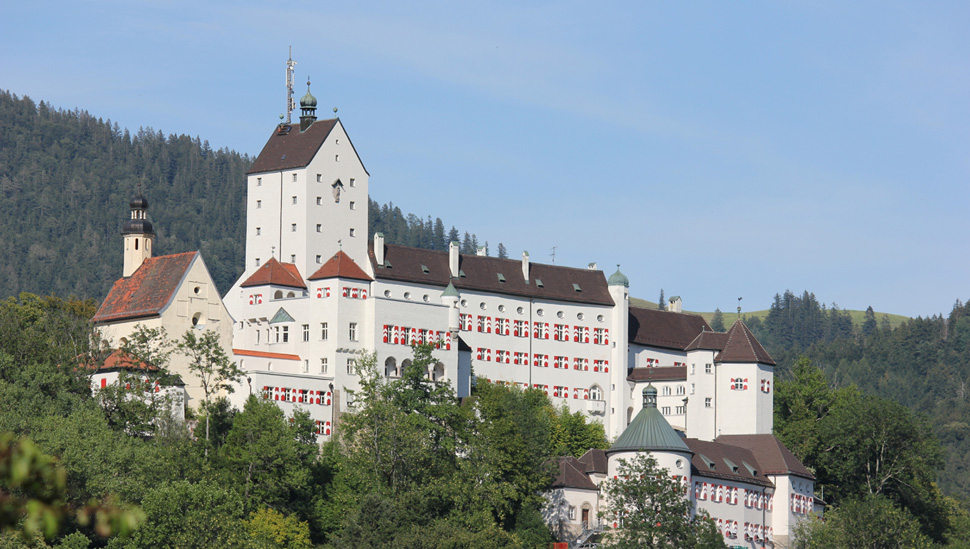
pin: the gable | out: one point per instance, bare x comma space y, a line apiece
147, 291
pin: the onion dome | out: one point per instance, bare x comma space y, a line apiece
618, 279
308, 101
139, 223
139, 203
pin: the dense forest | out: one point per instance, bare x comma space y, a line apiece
66, 178
923, 364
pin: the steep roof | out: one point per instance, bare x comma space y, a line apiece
276, 273
729, 462
340, 266
661, 373
649, 430
741, 346
288, 149
595, 461
773, 456
147, 291
481, 273
572, 475
711, 341
664, 329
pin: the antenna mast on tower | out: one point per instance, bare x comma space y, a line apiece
289, 86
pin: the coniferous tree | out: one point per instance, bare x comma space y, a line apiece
717, 321
661, 305
502, 252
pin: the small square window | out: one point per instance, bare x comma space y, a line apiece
292, 258
319, 201
336, 158
319, 177
257, 262
318, 259
259, 231
294, 177
707, 402
294, 200
259, 181
323, 366
353, 205
353, 232
353, 331
292, 227
259, 204
353, 182
319, 228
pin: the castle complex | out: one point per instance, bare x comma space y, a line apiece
317, 293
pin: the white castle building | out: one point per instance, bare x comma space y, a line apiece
317, 293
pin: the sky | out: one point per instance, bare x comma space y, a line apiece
714, 150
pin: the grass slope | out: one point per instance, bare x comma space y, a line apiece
729, 316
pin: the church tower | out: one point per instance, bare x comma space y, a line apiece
138, 234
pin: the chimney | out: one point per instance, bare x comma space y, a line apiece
525, 265
379, 249
453, 258
482, 250
592, 266
676, 304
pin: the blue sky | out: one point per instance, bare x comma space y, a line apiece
713, 149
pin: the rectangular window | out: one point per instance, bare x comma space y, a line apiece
707, 368
276, 330
323, 366
286, 334
353, 182
292, 227
259, 231
323, 331
319, 259
319, 177
294, 200
259, 204
292, 258
319, 228
707, 402
681, 410
353, 331
319, 201
353, 205
294, 177
259, 181
692, 385
351, 366
353, 232
257, 336
306, 332
665, 410
306, 366
257, 262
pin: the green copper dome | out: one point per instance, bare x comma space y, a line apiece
308, 100
649, 431
618, 278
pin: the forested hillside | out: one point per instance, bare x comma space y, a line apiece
66, 178
923, 364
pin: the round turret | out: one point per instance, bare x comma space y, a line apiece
618, 279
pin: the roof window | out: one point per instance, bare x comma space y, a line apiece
576, 287
501, 277
731, 465
424, 269
461, 273
539, 283
707, 461
752, 470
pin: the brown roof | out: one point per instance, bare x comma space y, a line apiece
741, 346
718, 452
595, 461
276, 273
340, 266
292, 149
572, 475
264, 354
664, 329
147, 291
712, 341
482, 274
774, 457
116, 360
661, 373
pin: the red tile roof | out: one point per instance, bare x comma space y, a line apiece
741, 346
147, 291
292, 149
482, 274
117, 360
340, 266
263, 354
662, 373
276, 273
774, 457
664, 329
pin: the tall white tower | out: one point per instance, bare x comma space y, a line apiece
138, 234
619, 286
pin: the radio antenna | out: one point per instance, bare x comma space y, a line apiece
290, 105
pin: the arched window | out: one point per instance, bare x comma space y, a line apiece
595, 393
438, 373
390, 367
405, 364
278, 294
290, 294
